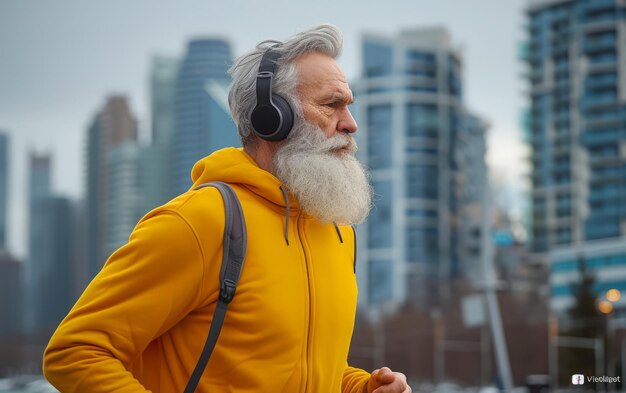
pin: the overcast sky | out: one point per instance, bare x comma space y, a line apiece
59, 60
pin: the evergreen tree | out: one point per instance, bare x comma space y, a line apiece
584, 321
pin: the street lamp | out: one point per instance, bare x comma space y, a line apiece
606, 307
613, 295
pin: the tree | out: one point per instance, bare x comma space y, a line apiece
584, 321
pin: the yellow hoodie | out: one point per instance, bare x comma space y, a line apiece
142, 322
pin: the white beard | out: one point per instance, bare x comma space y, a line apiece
329, 184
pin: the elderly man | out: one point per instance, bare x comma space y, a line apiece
141, 324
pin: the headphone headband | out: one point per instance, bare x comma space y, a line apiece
269, 60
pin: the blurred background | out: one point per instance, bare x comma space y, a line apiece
495, 133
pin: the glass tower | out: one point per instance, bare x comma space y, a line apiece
202, 117
156, 160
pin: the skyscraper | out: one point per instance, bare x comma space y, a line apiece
4, 187
11, 298
412, 123
576, 57
471, 184
122, 203
50, 283
39, 191
112, 126
55, 261
163, 79
202, 120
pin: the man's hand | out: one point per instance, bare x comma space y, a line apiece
386, 381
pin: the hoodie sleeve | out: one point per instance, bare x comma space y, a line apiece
145, 288
354, 380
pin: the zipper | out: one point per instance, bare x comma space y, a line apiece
308, 280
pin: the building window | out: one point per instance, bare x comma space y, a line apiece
422, 121
420, 63
377, 59
379, 136
422, 245
379, 277
379, 228
422, 181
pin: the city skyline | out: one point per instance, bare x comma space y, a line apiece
48, 108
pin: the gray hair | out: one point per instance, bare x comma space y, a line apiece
326, 39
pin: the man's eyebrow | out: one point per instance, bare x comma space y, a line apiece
336, 98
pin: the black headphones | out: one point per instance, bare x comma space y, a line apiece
272, 117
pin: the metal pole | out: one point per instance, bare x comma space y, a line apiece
495, 320
623, 364
484, 353
438, 345
553, 351
599, 349
610, 360
379, 338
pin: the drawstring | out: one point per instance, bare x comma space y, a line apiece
286, 197
287, 215
338, 232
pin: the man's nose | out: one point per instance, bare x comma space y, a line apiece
346, 122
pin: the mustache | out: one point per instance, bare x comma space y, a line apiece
317, 142
339, 141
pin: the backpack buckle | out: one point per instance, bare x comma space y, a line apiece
227, 290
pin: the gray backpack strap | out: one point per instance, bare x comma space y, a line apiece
235, 241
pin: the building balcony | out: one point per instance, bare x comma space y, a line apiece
603, 227
604, 62
605, 81
602, 123
598, 161
599, 23
535, 76
598, 6
601, 45
598, 100
593, 138
613, 193
600, 180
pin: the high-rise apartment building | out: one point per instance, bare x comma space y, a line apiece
4, 188
112, 126
420, 145
202, 119
576, 57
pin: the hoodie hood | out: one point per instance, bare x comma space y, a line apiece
234, 166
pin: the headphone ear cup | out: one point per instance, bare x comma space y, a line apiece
287, 114
266, 120
272, 116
